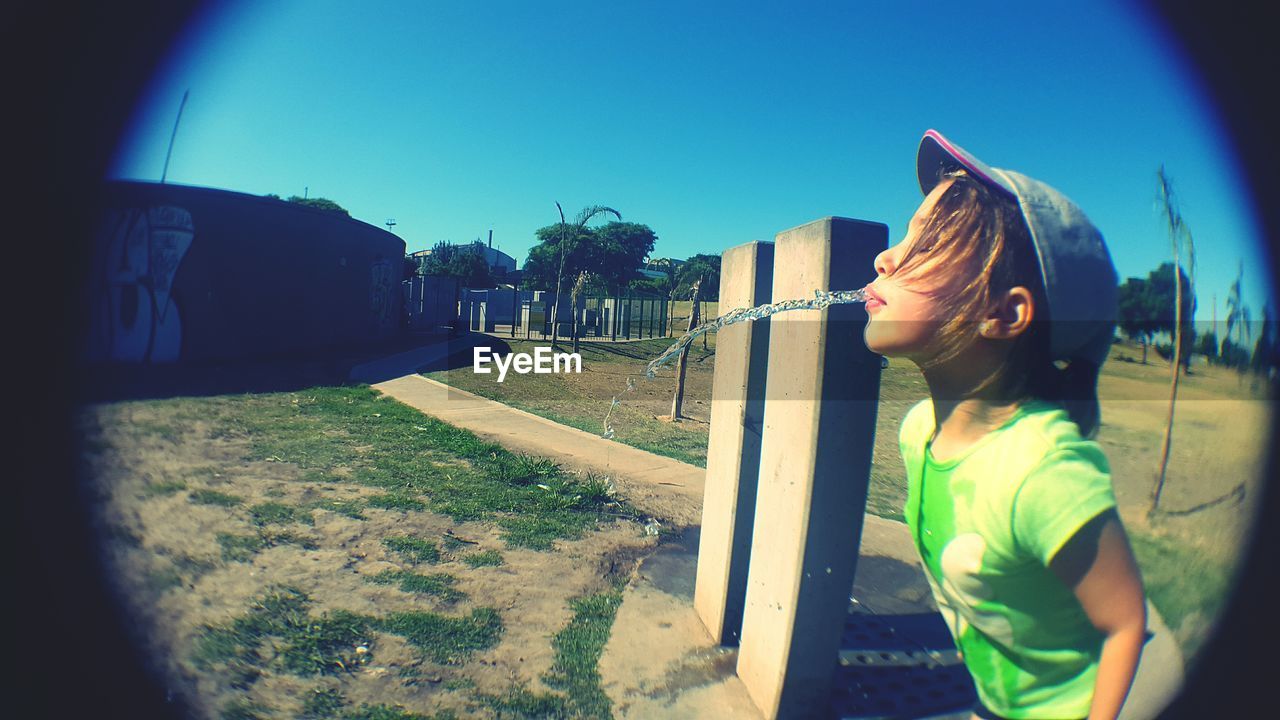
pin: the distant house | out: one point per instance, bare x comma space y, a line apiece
500, 263
653, 267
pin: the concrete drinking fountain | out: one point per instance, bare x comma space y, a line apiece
794, 403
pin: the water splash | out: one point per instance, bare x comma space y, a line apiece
608, 428
822, 299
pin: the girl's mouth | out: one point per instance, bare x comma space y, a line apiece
873, 299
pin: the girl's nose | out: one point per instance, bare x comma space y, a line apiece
886, 262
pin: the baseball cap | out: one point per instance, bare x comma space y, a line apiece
1080, 281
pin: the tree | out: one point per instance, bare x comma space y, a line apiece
650, 286
1232, 355
1137, 316
618, 252
543, 262
1146, 307
319, 204
465, 262
682, 362
578, 285
1180, 238
1173, 303
1238, 317
704, 267
1266, 352
668, 267
612, 253
1207, 345
569, 235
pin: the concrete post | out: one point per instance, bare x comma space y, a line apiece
733, 445
815, 464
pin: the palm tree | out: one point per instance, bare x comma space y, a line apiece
1238, 315
1179, 236
677, 401
579, 223
578, 286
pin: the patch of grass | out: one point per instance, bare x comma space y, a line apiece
460, 684
269, 513
484, 558
537, 532
322, 704
304, 645
1181, 581
213, 497
446, 640
396, 712
582, 403
239, 548
284, 537
397, 502
578, 648
158, 429
437, 584
519, 703
415, 550
420, 462
244, 709
164, 488
346, 508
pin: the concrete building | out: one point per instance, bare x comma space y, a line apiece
193, 274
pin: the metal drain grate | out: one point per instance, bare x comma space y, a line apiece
899, 667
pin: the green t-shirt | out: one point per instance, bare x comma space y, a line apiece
986, 524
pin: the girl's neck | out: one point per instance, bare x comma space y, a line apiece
965, 406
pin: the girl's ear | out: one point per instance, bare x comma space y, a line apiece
1009, 316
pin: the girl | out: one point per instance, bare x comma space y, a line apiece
1003, 293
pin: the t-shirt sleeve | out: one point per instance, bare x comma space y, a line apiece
1066, 490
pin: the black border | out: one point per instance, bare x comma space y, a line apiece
72, 74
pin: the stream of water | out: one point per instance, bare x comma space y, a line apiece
821, 299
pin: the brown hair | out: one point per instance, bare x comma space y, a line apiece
981, 230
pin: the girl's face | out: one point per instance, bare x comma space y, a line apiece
905, 312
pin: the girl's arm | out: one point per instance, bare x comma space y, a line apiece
1098, 565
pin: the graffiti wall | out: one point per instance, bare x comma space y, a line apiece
188, 274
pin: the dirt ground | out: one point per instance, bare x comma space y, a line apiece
163, 550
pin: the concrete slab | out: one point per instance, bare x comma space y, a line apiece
660, 661
733, 444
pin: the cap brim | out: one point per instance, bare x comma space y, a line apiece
938, 155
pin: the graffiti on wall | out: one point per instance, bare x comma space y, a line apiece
380, 289
135, 316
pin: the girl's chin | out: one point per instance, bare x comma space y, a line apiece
877, 342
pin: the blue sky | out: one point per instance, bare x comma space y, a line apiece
714, 124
